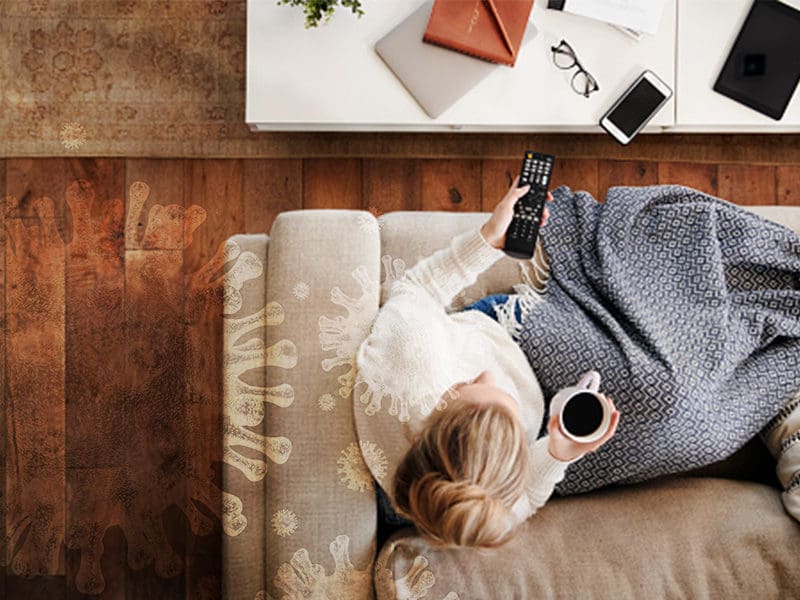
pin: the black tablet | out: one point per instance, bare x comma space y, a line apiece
763, 66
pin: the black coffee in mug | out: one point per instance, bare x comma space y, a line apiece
582, 415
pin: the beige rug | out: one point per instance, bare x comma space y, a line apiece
123, 77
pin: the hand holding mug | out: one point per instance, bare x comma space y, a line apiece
582, 419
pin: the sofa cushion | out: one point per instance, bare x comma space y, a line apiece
322, 293
671, 538
786, 215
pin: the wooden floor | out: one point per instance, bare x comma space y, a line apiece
111, 340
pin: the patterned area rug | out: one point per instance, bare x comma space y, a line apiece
165, 78
124, 77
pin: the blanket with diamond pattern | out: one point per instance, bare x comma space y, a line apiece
688, 306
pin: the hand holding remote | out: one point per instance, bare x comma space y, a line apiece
494, 230
523, 231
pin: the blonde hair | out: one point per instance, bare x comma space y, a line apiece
463, 474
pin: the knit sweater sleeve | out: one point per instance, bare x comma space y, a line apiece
545, 471
446, 272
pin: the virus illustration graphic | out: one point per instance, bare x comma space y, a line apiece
244, 403
344, 334
357, 461
168, 227
72, 135
393, 269
206, 283
301, 290
245, 350
326, 402
375, 459
414, 585
284, 522
353, 470
300, 578
407, 354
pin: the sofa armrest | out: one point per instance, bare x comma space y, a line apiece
323, 282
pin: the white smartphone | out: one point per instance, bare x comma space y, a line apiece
631, 112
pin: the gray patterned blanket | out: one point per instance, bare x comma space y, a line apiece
687, 305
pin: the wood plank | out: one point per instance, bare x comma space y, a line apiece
95, 383
95, 327
35, 410
270, 186
579, 174
748, 184
451, 185
332, 183
3, 420
208, 297
45, 587
624, 172
496, 177
391, 184
96, 552
699, 176
214, 207
155, 217
155, 426
155, 373
789, 185
28, 179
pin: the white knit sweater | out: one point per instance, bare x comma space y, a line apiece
416, 350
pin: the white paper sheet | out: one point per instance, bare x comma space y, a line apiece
639, 15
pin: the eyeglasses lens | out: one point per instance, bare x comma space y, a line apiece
583, 83
564, 57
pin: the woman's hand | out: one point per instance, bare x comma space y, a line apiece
565, 449
494, 230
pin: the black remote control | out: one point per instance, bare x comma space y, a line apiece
524, 228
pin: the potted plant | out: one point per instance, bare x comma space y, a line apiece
318, 9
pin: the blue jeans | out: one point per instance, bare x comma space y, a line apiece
486, 305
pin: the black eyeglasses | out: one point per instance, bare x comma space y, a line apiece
564, 57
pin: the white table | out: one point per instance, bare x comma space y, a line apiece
331, 79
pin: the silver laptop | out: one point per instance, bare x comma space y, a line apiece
436, 77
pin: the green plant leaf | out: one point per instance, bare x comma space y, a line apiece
316, 10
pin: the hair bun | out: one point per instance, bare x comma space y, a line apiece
463, 473
466, 511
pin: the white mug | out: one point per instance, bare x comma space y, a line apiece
588, 385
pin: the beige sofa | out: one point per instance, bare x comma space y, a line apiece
299, 508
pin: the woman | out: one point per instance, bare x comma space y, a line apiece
471, 467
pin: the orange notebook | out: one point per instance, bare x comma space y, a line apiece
487, 29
